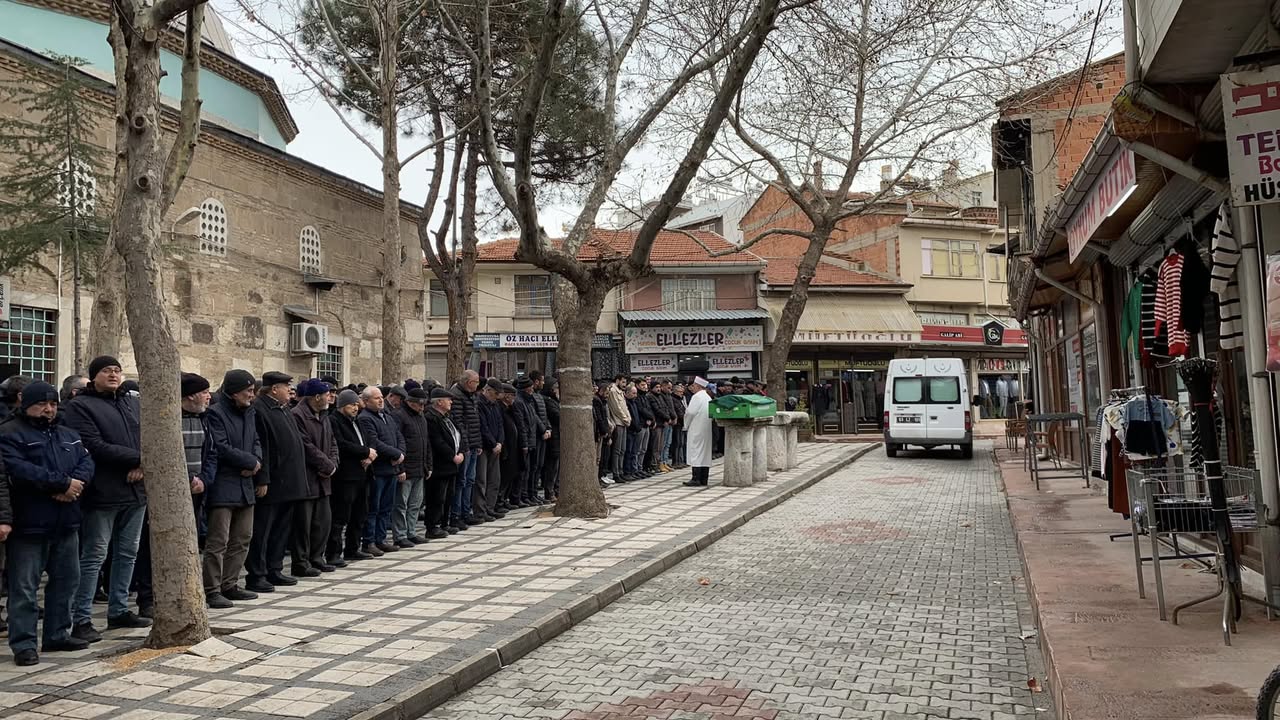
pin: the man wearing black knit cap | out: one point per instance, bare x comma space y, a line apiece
230, 498
115, 502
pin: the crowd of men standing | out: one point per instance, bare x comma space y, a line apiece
324, 475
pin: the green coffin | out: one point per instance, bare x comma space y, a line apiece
743, 407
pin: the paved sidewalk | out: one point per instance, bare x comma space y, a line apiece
886, 591
1110, 656
336, 645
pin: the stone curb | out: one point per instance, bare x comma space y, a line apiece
1052, 677
429, 694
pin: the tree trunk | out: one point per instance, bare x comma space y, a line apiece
393, 247
776, 357
180, 614
455, 361
464, 268
576, 315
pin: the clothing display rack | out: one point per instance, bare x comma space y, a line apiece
1043, 425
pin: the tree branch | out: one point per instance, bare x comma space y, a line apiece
164, 11
184, 145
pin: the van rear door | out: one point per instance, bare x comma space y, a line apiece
908, 411
944, 414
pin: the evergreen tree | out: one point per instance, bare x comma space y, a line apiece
49, 194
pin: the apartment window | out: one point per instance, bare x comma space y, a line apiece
213, 228
975, 198
996, 268
439, 300
329, 363
944, 318
309, 251
533, 296
30, 342
950, 258
689, 294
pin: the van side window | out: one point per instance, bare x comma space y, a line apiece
944, 390
908, 390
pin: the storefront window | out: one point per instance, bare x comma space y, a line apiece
1092, 376
533, 296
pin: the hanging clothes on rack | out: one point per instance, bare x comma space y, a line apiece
1154, 342
1131, 322
1169, 304
1225, 252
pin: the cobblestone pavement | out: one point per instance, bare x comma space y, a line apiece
889, 590
335, 645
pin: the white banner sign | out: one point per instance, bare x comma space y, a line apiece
644, 364
1251, 112
729, 362
732, 338
522, 340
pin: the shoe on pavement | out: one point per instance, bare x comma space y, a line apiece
326, 568
146, 611
237, 593
692, 483
373, 550
70, 644
607, 480
387, 547
85, 631
281, 579
437, 533
418, 540
405, 543
259, 585
475, 520
26, 658
336, 561
218, 601
451, 530
461, 524
127, 620
301, 572
359, 555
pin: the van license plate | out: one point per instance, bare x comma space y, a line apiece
908, 419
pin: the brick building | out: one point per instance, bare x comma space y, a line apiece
264, 244
908, 276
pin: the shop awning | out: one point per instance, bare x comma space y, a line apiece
692, 315
842, 314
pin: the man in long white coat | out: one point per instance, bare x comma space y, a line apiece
697, 423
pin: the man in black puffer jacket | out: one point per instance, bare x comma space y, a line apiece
115, 502
284, 475
484, 497
350, 483
466, 417
447, 456
230, 498
417, 469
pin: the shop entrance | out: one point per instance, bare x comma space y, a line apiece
998, 395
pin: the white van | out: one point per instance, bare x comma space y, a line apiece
926, 403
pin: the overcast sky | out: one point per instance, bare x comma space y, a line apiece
324, 139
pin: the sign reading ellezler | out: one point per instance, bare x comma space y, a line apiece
712, 338
1251, 113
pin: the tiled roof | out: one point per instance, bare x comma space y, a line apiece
669, 248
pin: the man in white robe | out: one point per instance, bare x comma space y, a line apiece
697, 423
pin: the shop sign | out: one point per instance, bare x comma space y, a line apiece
602, 341
730, 362
869, 365
1110, 189
486, 341
799, 364
1251, 113
993, 333
833, 364
855, 337
735, 338
641, 364
972, 335
1003, 365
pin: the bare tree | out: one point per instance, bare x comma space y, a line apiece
149, 176
850, 86
643, 74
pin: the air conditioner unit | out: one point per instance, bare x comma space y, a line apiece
308, 339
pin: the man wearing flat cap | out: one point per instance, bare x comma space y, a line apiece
284, 477
311, 514
489, 464
447, 456
417, 469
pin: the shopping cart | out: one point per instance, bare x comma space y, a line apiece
1169, 501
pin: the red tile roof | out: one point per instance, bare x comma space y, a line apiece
783, 271
669, 248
